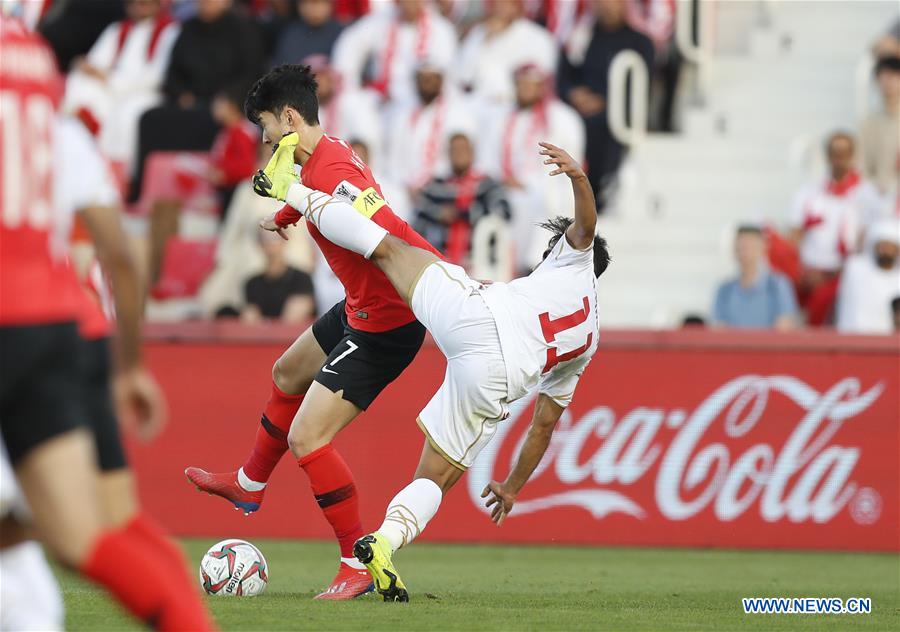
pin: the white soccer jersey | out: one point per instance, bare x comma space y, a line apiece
547, 323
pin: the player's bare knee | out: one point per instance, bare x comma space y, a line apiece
285, 379
301, 441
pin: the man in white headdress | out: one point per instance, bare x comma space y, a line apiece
393, 42
506, 152
870, 282
420, 129
121, 77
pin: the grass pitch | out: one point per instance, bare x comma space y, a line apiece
455, 587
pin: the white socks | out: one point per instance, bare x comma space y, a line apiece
409, 512
338, 221
247, 483
352, 562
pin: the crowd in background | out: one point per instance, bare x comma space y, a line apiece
839, 264
445, 100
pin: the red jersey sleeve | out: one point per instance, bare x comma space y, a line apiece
334, 168
332, 163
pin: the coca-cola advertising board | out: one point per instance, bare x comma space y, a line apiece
674, 440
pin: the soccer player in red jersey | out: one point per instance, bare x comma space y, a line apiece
337, 367
43, 414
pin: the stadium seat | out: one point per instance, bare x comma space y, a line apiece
185, 266
178, 175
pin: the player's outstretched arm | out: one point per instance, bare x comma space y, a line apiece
503, 495
581, 233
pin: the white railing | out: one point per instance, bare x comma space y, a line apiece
492, 250
626, 63
698, 53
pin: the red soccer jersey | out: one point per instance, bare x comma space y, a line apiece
37, 285
372, 302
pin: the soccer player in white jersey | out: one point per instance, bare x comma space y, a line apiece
500, 340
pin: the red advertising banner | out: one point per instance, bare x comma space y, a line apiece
674, 439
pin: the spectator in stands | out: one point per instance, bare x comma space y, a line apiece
72, 27
176, 176
506, 40
392, 43
880, 133
656, 20
560, 16
420, 129
274, 17
121, 77
449, 207
582, 81
233, 154
238, 253
216, 50
313, 33
759, 298
870, 282
344, 112
508, 152
826, 221
395, 193
280, 292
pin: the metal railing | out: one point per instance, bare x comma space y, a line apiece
697, 51
622, 92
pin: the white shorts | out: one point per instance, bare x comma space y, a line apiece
461, 418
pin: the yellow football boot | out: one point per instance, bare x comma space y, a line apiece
374, 551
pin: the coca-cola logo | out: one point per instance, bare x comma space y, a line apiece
706, 462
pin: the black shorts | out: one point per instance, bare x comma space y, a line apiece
362, 363
99, 405
41, 394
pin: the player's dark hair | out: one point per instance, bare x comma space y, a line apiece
749, 229
456, 135
887, 64
288, 85
839, 135
558, 226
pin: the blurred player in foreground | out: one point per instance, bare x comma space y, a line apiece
337, 367
30, 598
500, 341
46, 413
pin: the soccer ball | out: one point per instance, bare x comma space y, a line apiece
234, 568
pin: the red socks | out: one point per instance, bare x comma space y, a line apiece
332, 483
271, 437
330, 478
141, 579
144, 527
